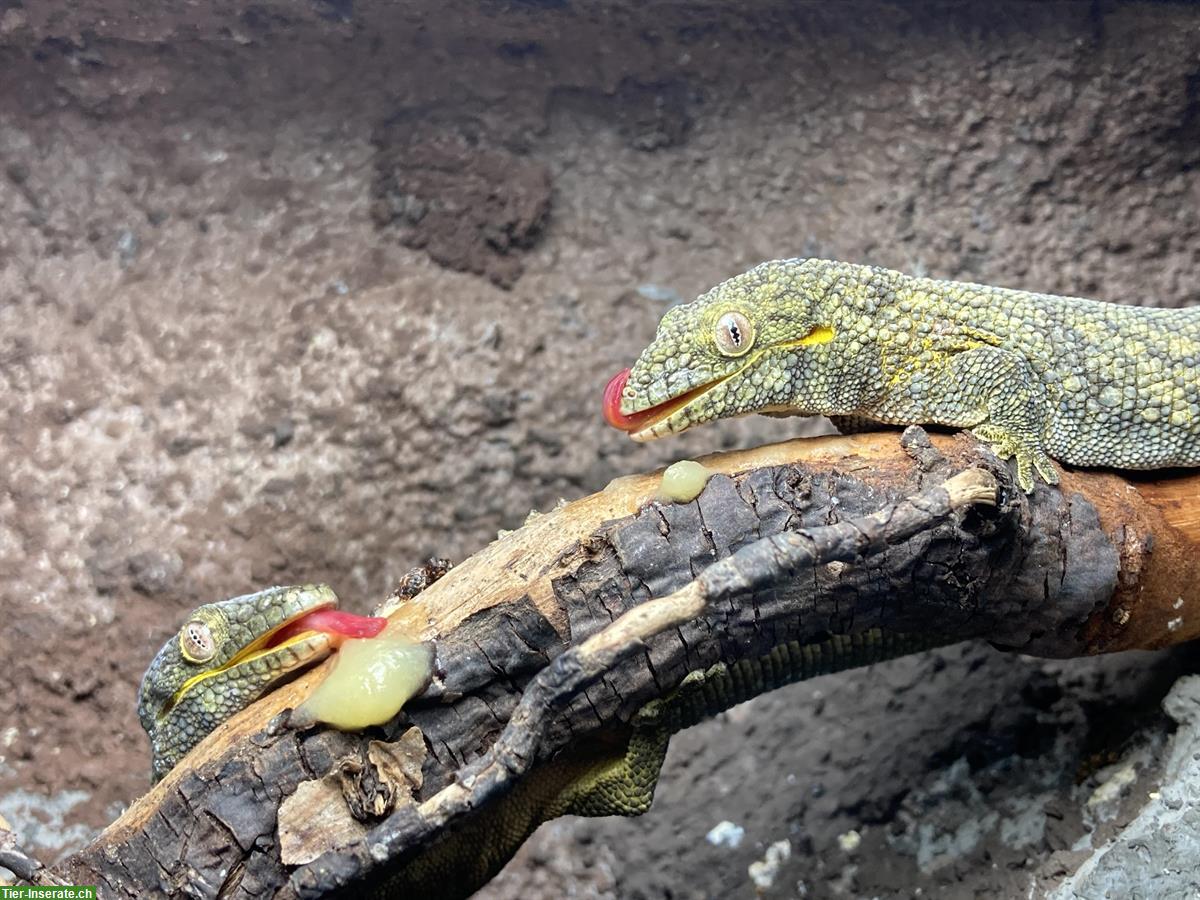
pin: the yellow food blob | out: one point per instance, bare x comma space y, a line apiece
372, 679
683, 481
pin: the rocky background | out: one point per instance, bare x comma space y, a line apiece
313, 290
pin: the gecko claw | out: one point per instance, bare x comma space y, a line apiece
1006, 445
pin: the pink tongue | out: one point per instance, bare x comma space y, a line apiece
331, 621
612, 403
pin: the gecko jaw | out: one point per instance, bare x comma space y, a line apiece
663, 419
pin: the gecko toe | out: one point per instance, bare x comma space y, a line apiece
1029, 459
1045, 468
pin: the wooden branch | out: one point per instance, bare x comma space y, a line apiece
762, 564
17, 861
1062, 573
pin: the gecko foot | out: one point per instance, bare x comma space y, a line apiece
1030, 459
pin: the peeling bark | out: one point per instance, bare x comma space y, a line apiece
1063, 572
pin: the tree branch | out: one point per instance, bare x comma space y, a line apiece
757, 566
550, 636
16, 860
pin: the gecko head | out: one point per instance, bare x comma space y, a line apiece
229, 653
737, 349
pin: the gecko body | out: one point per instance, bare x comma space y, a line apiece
1036, 376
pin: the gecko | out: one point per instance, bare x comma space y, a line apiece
230, 652
1038, 377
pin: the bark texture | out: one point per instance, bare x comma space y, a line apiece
1062, 572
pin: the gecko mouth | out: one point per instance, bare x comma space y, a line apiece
311, 635
639, 425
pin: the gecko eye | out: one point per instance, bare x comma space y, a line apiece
196, 641
734, 334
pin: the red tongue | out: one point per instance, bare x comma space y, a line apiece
612, 403
331, 621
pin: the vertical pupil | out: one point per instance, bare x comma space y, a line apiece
196, 636
734, 334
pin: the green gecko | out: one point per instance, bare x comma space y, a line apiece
231, 652
1036, 376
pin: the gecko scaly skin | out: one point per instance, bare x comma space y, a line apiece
1036, 376
229, 653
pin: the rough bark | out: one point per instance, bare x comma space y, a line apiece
1100, 564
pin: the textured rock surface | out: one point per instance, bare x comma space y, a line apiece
217, 371
1155, 854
